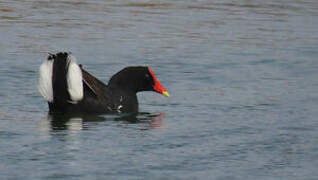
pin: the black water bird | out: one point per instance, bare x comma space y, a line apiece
69, 88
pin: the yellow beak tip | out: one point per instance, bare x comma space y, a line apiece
165, 93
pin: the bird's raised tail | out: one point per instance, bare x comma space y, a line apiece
60, 79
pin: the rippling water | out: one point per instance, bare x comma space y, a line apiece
242, 77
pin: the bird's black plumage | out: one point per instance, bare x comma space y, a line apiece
119, 95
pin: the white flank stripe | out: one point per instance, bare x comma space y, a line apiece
74, 79
45, 80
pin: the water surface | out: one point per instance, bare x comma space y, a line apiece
242, 77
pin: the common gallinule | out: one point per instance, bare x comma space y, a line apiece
69, 88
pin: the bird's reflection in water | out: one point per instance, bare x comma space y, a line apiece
85, 121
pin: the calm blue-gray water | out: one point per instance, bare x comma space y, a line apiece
242, 75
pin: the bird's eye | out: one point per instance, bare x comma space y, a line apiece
147, 76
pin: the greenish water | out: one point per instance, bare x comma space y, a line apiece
242, 76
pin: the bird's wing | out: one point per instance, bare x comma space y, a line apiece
92, 83
96, 91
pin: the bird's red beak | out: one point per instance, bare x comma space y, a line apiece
158, 87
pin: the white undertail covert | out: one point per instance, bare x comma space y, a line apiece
74, 79
45, 80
